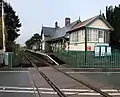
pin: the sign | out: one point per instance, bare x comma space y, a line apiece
97, 51
101, 39
89, 48
102, 44
108, 51
102, 51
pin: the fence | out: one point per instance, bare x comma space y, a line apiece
88, 60
1, 56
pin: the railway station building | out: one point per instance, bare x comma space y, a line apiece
76, 36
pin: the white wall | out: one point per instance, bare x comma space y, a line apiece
78, 47
92, 45
99, 24
43, 37
81, 36
43, 45
81, 46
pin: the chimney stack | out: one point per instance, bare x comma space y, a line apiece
67, 21
56, 24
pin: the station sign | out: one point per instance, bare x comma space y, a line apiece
102, 50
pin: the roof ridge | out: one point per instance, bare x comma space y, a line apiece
48, 27
90, 18
85, 22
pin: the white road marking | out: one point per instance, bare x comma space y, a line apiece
81, 68
15, 91
48, 92
95, 94
14, 71
89, 94
67, 93
77, 90
110, 90
114, 94
21, 88
50, 89
91, 72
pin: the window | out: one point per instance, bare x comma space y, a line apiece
92, 35
74, 37
83, 35
71, 39
77, 36
89, 35
101, 34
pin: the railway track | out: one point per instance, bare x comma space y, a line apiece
56, 89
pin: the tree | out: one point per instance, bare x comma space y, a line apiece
28, 43
12, 23
103, 15
34, 40
113, 17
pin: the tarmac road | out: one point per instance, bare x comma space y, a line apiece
13, 83
18, 83
108, 81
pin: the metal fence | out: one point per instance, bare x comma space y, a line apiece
1, 57
88, 60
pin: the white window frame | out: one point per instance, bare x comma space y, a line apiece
81, 34
102, 34
74, 37
92, 35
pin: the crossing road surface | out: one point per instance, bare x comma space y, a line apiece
106, 81
19, 83
13, 83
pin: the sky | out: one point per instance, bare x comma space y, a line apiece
35, 13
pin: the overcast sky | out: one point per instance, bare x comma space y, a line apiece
34, 13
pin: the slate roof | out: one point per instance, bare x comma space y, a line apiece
48, 31
61, 32
56, 33
89, 21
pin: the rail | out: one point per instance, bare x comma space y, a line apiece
104, 94
55, 88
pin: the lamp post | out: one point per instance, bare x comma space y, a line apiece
3, 27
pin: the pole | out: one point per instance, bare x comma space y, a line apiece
3, 27
85, 46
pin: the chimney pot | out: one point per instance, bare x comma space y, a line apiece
56, 24
67, 21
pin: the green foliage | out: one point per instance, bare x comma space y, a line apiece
113, 17
16, 47
12, 23
35, 39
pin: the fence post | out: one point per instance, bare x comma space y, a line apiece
77, 60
